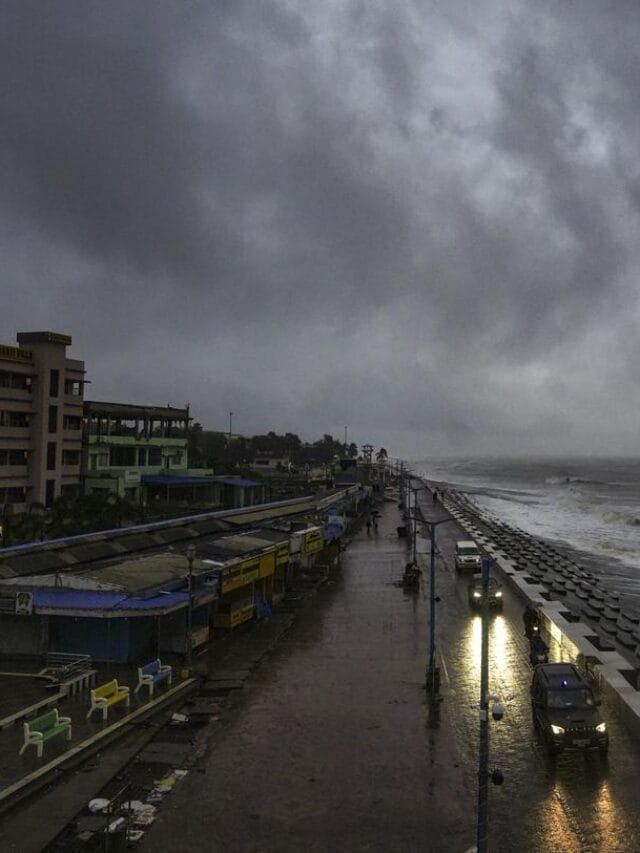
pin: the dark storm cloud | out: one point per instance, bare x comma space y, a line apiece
416, 220
98, 149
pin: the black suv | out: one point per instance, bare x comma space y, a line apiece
565, 710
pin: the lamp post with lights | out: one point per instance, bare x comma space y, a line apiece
432, 679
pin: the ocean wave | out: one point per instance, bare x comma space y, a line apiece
565, 480
610, 546
613, 516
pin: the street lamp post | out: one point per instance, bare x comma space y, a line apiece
433, 671
413, 514
432, 680
191, 553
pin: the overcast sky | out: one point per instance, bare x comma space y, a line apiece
416, 219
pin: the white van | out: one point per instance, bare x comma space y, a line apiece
467, 556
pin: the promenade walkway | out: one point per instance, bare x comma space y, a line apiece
335, 746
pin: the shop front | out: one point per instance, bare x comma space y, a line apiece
246, 586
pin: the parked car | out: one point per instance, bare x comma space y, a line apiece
565, 710
494, 592
467, 556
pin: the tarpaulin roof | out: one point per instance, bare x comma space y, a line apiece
73, 599
175, 480
185, 480
333, 531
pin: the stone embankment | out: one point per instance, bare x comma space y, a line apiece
584, 621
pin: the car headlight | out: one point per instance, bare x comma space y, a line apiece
557, 730
498, 594
477, 595
601, 727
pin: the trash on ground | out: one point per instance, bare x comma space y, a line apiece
179, 719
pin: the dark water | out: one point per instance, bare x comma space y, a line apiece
590, 504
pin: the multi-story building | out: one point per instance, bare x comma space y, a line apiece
140, 453
125, 443
41, 394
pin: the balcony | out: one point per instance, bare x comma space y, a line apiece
137, 440
24, 395
14, 475
72, 401
18, 432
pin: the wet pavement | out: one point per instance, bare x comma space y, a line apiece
335, 747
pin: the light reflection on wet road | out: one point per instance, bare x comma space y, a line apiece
577, 802
337, 749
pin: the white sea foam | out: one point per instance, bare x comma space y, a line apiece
592, 505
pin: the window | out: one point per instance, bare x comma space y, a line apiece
142, 457
72, 422
53, 419
12, 495
14, 380
70, 457
50, 492
54, 383
122, 457
155, 456
14, 419
73, 387
13, 457
98, 460
51, 456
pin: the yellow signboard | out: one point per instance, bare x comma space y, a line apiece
267, 565
248, 571
313, 541
282, 555
235, 617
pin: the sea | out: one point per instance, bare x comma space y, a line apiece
588, 506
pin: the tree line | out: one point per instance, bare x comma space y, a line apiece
219, 450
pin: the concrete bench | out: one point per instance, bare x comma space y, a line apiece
153, 673
43, 728
106, 695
